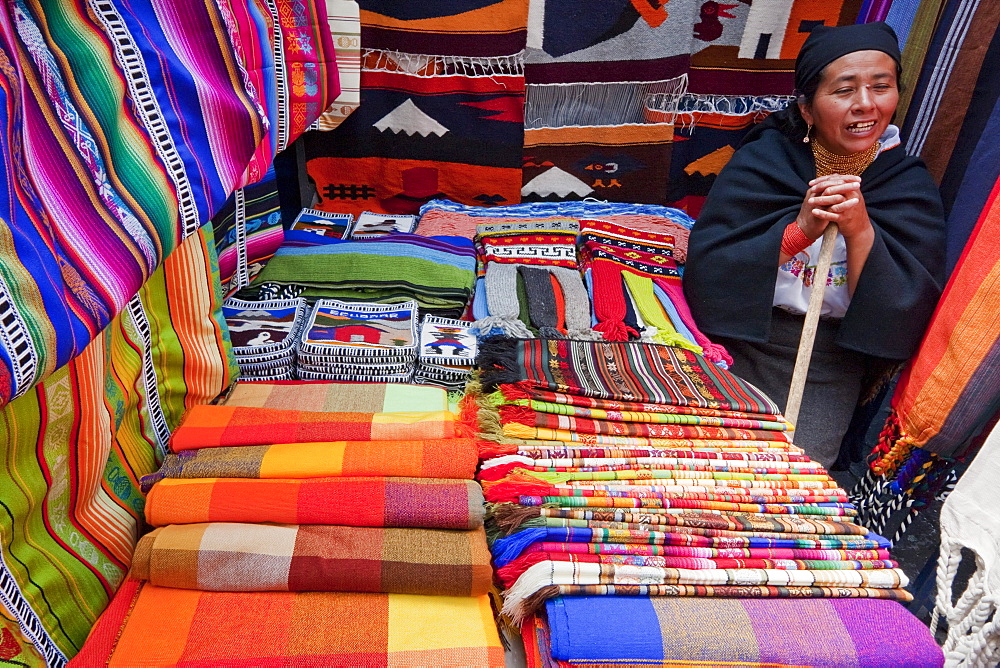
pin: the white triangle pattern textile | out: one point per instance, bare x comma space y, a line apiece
408, 118
555, 181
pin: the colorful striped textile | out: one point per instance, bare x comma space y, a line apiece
548, 579
703, 552
543, 400
267, 557
75, 446
711, 450
395, 268
213, 426
507, 549
248, 231
126, 141
750, 633
524, 422
330, 397
438, 458
618, 370
444, 217
951, 67
373, 502
508, 414
787, 505
509, 574
496, 468
633, 476
950, 391
308, 628
510, 517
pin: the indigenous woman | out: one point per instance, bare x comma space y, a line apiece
832, 156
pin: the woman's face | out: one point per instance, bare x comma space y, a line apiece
854, 103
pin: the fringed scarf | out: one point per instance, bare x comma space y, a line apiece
534, 252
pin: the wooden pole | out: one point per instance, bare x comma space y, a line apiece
810, 324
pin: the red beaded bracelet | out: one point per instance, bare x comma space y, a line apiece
794, 240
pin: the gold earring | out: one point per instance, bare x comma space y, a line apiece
805, 140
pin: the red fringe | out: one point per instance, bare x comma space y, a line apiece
467, 424
892, 448
513, 487
491, 449
518, 390
495, 473
519, 414
511, 572
615, 330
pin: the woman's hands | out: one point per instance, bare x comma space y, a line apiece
835, 198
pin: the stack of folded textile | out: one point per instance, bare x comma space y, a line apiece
359, 341
636, 291
323, 223
444, 217
438, 274
528, 277
447, 353
305, 537
636, 472
264, 334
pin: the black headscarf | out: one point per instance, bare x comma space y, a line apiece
825, 44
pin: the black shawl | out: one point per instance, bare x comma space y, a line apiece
732, 259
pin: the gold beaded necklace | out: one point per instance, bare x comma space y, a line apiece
854, 163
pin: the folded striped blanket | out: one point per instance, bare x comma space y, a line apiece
146, 625
639, 495
507, 549
509, 517
444, 458
372, 502
208, 426
508, 445
750, 633
228, 556
523, 394
328, 397
526, 423
549, 579
618, 370
521, 410
558, 450
512, 571
497, 467
548, 547
776, 505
